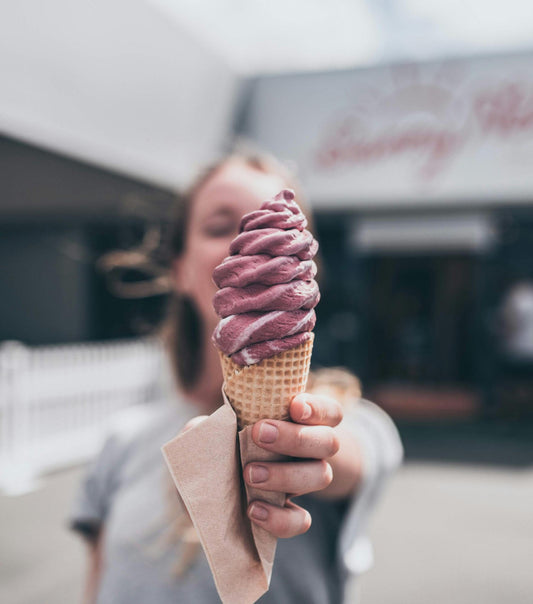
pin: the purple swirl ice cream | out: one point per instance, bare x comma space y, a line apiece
267, 289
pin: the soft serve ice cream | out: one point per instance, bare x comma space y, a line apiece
267, 290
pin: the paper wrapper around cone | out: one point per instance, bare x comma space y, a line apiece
206, 465
265, 390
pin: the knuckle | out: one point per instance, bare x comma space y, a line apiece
301, 438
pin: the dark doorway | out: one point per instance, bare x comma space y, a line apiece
420, 319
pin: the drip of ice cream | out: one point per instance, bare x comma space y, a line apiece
268, 292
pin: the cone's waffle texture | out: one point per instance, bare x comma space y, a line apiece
265, 390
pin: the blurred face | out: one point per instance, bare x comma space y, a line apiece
215, 214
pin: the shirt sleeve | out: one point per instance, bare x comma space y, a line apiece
382, 454
95, 493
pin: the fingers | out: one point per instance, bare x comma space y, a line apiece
296, 478
285, 522
314, 409
311, 437
295, 440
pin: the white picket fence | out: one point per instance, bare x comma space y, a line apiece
56, 402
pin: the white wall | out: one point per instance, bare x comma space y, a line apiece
113, 82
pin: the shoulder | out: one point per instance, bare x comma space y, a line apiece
131, 448
142, 429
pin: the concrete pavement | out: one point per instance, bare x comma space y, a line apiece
453, 534
444, 534
41, 562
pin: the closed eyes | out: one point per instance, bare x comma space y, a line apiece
221, 224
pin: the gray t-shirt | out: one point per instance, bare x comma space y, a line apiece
126, 493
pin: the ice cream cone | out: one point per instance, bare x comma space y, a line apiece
265, 390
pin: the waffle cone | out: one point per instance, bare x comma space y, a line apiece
265, 390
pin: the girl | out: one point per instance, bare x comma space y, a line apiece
142, 547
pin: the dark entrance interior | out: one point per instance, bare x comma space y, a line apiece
421, 319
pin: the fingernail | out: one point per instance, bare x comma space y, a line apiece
258, 474
306, 411
267, 433
258, 512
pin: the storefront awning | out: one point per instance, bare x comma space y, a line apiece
435, 233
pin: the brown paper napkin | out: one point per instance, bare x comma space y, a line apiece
206, 465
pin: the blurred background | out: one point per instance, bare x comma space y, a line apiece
410, 125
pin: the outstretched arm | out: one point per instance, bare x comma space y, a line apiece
94, 569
